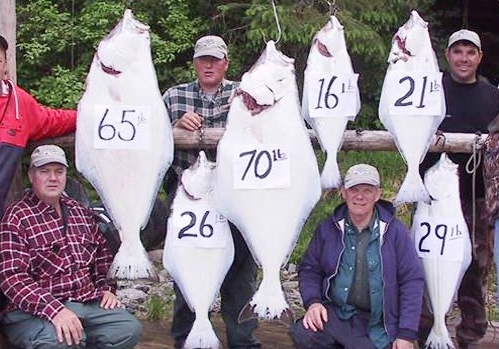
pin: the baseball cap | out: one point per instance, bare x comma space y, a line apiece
465, 35
210, 45
3, 43
361, 174
46, 154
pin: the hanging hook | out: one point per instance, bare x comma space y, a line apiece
277, 22
333, 8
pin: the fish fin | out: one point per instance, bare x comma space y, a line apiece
412, 190
247, 313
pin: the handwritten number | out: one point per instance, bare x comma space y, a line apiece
205, 229
257, 163
327, 95
132, 126
103, 126
182, 233
428, 229
252, 153
110, 129
402, 101
441, 237
421, 105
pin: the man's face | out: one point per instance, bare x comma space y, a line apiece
210, 71
3, 64
463, 59
360, 199
48, 181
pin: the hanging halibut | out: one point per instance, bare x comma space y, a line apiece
124, 142
442, 241
198, 248
267, 180
412, 103
330, 95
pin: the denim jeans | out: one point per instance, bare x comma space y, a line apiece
237, 289
103, 328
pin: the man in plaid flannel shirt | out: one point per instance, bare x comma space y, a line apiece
192, 106
53, 266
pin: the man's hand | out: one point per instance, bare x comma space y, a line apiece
315, 317
189, 121
68, 327
402, 344
109, 301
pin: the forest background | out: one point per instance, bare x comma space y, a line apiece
56, 40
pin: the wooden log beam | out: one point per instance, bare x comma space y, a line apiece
353, 140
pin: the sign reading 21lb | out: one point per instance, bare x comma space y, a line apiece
442, 240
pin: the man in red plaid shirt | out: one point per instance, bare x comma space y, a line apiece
53, 266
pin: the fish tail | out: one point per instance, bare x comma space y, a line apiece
330, 176
202, 335
439, 340
132, 264
412, 189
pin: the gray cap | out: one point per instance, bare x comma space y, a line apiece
361, 174
46, 154
465, 35
210, 46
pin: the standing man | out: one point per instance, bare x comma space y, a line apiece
361, 280
192, 106
23, 120
472, 103
53, 267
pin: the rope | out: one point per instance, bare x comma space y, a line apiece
474, 160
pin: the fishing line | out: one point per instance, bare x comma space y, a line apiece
279, 32
475, 160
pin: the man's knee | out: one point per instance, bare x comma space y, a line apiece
302, 337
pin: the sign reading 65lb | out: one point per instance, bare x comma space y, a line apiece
122, 127
414, 93
261, 166
441, 238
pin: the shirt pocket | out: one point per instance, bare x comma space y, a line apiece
10, 128
86, 249
49, 259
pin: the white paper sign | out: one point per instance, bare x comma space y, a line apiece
200, 227
122, 127
414, 93
261, 166
441, 237
333, 95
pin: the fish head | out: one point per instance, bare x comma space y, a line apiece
330, 40
412, 41
198, 179
268, 80
442, 179
120, 48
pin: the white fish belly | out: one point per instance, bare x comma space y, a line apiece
127, 180
199, 272
269, 219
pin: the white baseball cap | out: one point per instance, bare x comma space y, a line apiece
210, 45
465, 35
361, 174
46, 154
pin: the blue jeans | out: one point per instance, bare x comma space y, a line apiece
103, 329
237, 289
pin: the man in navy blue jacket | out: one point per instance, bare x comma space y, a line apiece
361, 280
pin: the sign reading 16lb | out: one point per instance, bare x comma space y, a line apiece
414, 93
441, 238
261, 166
122, 127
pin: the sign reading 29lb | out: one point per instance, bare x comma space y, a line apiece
441, 238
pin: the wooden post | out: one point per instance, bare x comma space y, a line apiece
8, 31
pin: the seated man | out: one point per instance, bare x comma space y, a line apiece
361, 280
53, 265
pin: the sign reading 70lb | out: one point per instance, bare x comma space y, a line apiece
441, 238
122, 127
261, 166
414, 93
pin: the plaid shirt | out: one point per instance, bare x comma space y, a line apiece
190, 98
46, 259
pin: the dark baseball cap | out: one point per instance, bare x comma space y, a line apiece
3, 43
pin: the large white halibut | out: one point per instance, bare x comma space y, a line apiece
330, 95
412, 103
124, 142
198, 248
267, 180
443, 243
